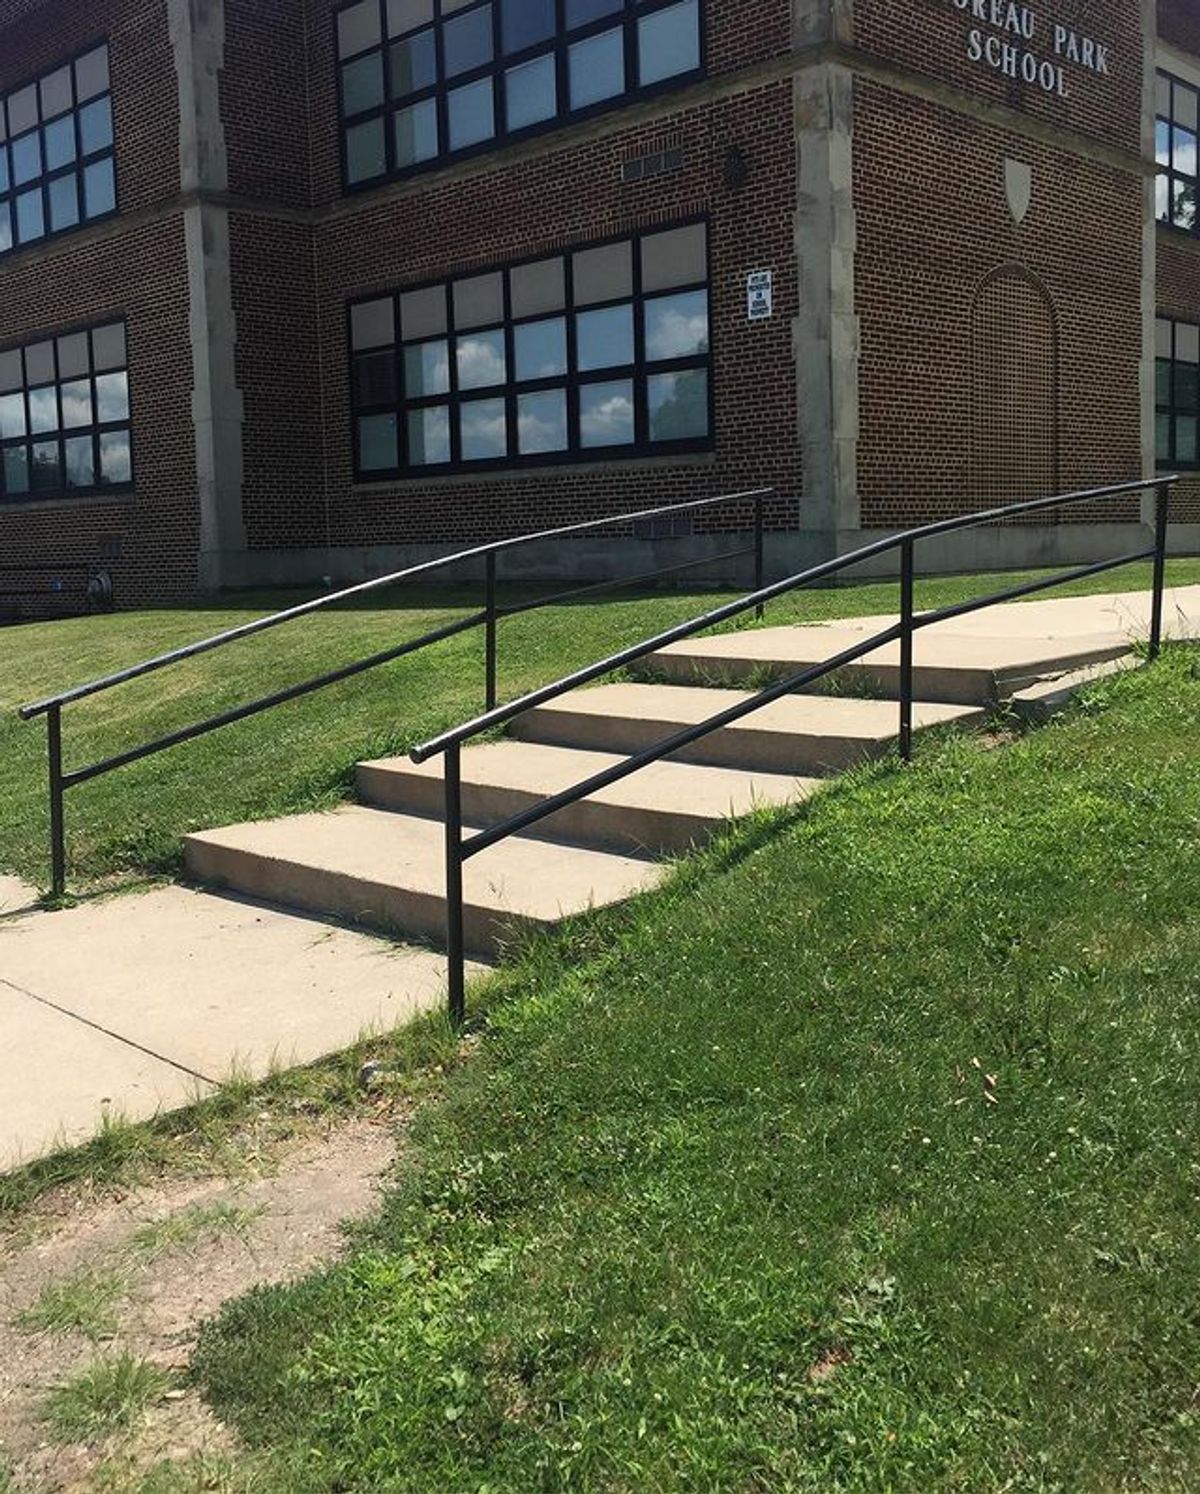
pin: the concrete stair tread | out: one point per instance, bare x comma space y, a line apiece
683, 705
354, 860
947, 667
538, 770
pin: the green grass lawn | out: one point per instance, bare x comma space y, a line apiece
300, 756
861, 1157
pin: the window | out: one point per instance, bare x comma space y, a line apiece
1177, 393
420, 80
64, 415
1175, 137
56, 152
599, 352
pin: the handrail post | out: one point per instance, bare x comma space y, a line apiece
1162, 497
58, 843
452, 771
490, 645
758, 553
906, 650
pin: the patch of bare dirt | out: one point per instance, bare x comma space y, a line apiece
230, 1236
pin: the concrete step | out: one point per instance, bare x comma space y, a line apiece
662, 810
800, 734
387, 871
969, 668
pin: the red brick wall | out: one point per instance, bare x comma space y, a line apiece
282, 382
264, 100
1179, 25
933, 222
140, 274
493, 214
144, 85
932, 36
148, 542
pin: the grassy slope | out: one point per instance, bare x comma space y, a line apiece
722, 1201
299, 756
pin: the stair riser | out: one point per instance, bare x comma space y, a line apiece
612, 827
387, 909
880, 682
753, 750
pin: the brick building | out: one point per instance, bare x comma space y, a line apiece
299, 288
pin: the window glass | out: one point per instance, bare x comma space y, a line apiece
362, 83
668, 42
95, 126
99, 190
597, 69
30, 221
678, 404
490, 68
467, 41
116, 461
365, 153
1177, 393
524, 23
16, 470
64, 202
377, 449
529, 361
429, 436
77, 404
677, 326
1176, 152
606, 414
484, 430
426, 369
542, 422
45, 472
416, 133
540, 349
471, 113
481, 360
580, 12
26, 158
59, 143
54, 402
414, 64
80, 463
605, 338
12, 415
56, 170
531, 92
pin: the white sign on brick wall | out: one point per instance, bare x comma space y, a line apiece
760, 295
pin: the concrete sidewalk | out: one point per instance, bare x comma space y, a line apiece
130, 1005
136, 1004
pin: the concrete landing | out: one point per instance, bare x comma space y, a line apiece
137, 1004
982, 658
800, 734
664, 809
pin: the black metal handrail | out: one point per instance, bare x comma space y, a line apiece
488, 617
449, 744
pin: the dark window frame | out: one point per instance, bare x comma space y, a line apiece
496, 68
1167, 171
95, 428
1174, 407
639, 372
